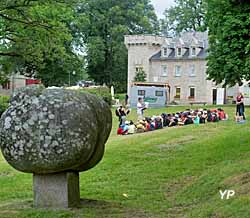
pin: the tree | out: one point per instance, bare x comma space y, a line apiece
229, 25
42, 37
140, 76
36, 38
108, 22
33, 29
185, 15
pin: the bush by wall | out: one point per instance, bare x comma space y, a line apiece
4, 102
103, 92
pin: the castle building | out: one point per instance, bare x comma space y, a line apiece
179, 62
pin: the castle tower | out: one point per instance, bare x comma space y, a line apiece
140, 49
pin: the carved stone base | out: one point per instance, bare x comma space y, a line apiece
59, 190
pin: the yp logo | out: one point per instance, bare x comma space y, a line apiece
227, 194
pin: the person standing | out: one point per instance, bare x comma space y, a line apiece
122, 113
240, 108
126, 100
140, 108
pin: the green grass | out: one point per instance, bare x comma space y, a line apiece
169, 173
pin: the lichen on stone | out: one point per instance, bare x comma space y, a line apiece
54, 130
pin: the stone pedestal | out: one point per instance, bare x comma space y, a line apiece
59, 190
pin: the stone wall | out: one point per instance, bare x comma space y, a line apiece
203, 87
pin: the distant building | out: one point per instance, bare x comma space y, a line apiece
179, 62
16, 81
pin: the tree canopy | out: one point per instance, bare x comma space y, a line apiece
43, 37
185, 15
32, 31
229, 31
228, 22
108, 22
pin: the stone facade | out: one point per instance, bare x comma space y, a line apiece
179, 62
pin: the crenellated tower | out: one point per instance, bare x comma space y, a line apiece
140, 49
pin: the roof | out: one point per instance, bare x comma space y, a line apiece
202, 55
186, 41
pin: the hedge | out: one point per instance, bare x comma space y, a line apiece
102, 92
4, 103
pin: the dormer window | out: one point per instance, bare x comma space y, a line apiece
193, 51
165, 52
178, 51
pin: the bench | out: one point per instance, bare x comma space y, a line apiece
198, 102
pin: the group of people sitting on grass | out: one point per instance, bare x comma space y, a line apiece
187, 117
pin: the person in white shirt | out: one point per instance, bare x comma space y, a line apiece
140, 108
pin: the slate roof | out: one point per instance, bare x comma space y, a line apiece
186, 41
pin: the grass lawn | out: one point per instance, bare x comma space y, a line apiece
174, 172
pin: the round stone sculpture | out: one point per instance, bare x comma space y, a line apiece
54, 130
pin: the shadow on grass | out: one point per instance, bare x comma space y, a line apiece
98, 204
87, 208
112, 209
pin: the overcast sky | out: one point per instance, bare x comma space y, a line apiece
161, 5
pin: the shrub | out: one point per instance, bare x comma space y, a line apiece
102, 92
140, 76
4, 102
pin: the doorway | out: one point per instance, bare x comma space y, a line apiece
214, 100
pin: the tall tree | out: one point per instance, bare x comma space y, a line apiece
36, 38
185, 15
33, 29
108, 22
229, 32
40, 37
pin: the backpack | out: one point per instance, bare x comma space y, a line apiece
209, 117
117, 112
202, 120
166, 121
215, 118
188, 121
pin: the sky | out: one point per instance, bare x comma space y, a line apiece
161, 5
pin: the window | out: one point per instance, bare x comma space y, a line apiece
179, 51
141, 92
177, 93
159, 93
138, 68
191, 92
165, 52
164, 70
177, 71
193, 51
192, 70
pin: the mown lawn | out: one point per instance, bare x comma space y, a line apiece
174, 172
